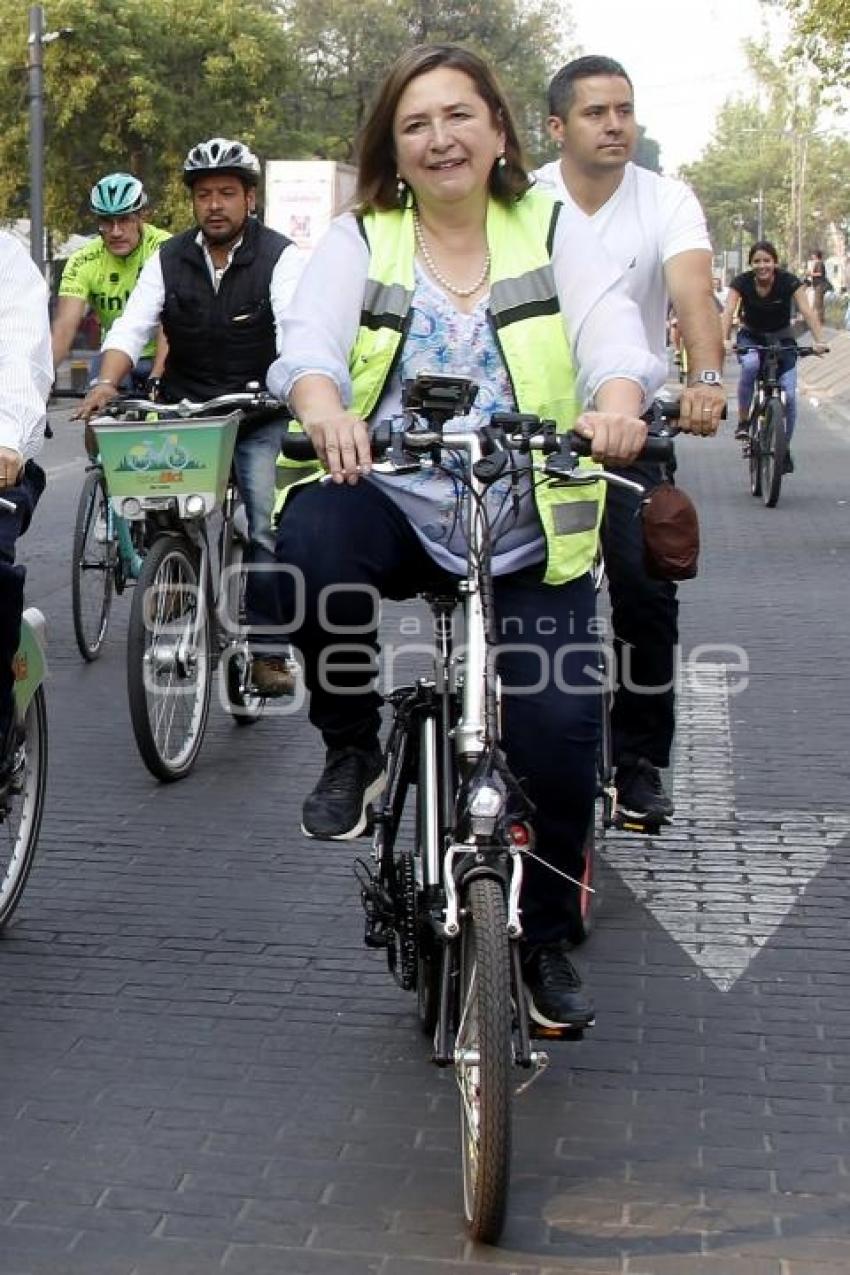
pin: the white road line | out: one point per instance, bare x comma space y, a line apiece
721, 881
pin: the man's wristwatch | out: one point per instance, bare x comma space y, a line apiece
710, 376
102, 380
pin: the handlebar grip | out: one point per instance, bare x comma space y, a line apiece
658, 449
297, 447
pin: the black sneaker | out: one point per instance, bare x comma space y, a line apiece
787, 464
553, 988
742, 433
640, 792
336, 808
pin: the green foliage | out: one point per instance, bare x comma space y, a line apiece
823, 31
140, 81
346, 46
135, 85
773, 144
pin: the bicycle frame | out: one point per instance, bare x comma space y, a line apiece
459, 736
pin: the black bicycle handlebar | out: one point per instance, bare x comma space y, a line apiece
800, 351
657, 448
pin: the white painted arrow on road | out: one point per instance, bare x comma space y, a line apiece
720, 880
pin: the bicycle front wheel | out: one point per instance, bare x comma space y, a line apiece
773, 449
21, 808
243, 702
754, 457
92, 567
483, 1058
169, 659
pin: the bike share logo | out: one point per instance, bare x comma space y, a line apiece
165, 454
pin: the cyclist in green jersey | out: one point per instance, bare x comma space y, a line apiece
103, 273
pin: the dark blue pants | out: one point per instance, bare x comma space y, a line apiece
25, 497
645, 615
334, 535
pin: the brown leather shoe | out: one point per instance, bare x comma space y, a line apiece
273, 675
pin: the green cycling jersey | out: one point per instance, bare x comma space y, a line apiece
95, 275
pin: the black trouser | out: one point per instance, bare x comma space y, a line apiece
646, 631
331, 536
24, 496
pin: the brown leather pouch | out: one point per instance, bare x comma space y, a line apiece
670, 533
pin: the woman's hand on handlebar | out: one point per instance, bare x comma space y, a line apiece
341, 440
616, 439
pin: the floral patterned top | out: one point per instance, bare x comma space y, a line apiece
443, 339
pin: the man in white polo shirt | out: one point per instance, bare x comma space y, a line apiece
655, 230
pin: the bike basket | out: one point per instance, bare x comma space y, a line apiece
161, 459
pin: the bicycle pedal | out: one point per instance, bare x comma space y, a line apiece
644, 825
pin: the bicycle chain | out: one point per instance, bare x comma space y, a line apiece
405, 972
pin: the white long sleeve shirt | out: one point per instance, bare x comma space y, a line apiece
26, 360
603, 325
140, 320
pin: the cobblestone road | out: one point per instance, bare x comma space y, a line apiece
201, 1068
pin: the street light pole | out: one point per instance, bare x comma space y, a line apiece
35, 46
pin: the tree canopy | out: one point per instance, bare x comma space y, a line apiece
140, 81
770, 165
823, 31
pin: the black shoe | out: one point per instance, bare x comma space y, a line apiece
742, 433
336, 808
553, 987
640, 792
787, 464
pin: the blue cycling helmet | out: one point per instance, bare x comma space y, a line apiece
221, 155
117, 194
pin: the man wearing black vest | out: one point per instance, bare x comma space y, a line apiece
219, 291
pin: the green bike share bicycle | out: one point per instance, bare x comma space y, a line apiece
22, 796
167, 470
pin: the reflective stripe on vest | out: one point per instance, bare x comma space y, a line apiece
533, 293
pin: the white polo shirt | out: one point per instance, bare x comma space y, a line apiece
647, 220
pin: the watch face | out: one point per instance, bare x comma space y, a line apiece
709, 378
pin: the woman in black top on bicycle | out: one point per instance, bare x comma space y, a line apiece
762, 296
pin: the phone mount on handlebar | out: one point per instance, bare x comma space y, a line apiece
438, 398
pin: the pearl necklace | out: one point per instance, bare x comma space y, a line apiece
438, 275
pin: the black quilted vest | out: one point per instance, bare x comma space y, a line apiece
218, 341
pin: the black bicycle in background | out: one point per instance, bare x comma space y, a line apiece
766, 448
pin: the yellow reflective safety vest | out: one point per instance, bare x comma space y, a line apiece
526, 320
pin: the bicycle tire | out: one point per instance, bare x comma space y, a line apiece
244, 705
90, 606
774, 447
23, 808
483, 1058
169, 675
754, 458
428, 952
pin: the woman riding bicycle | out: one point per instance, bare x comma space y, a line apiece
454, 265
764, 294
